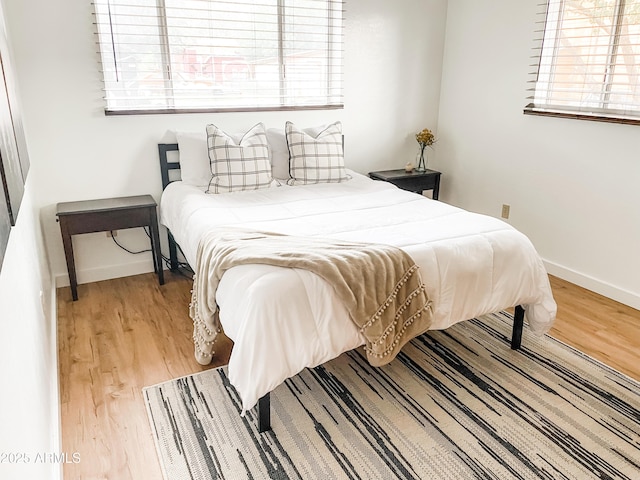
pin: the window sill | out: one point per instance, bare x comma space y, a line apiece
219, 110
595, 117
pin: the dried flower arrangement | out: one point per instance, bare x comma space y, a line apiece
425, 138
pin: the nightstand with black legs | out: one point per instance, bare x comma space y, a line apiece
412, 181
104, 215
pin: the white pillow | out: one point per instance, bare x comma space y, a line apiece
194, 158
315, 154
279, 153
238, 164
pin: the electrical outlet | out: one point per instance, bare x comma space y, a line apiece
505, 210
112, 233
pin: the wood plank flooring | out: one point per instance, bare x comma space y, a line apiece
128, 333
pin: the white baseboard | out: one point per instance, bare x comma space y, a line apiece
106, 273
611, 291
56, 406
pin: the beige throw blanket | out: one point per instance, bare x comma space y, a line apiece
379, 284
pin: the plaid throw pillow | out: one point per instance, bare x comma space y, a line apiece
238, 164
315, 158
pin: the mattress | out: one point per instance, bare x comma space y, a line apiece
283, 320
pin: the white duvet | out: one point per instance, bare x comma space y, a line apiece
283, 320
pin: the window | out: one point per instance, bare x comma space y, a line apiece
589, 60
160, 56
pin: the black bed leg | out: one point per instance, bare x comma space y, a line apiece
264, 414
518, 324
173, 252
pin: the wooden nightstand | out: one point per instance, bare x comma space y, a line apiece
412, 181
104, 215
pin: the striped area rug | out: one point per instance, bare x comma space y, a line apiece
455, 404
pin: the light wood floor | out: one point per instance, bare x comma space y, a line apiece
125, 334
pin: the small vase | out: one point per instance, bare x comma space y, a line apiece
421, 161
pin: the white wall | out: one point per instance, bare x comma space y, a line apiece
29, 407
572, 185
392, 84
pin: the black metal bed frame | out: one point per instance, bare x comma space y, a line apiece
264, 403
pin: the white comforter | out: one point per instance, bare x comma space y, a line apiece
283, 320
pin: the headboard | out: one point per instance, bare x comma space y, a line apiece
165, 167
165, 164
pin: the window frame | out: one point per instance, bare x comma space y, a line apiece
553, 15
333, 7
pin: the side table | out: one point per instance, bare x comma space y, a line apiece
107, 214
412, 181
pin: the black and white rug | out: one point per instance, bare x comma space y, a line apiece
455, 404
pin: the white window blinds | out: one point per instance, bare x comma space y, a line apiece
210, 55
588, 60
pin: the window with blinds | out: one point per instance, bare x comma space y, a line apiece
588, 60
167, 56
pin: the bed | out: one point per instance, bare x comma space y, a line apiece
283, 320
